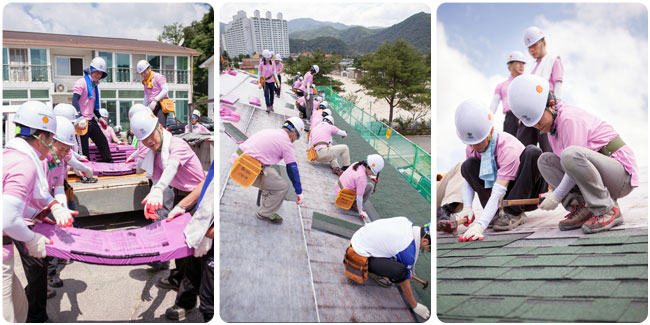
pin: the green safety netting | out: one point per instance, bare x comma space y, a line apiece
413, 163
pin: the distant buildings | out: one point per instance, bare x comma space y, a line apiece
251, 35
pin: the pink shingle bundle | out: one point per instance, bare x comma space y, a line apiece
229, 99
227, 114
111, 169
254, 100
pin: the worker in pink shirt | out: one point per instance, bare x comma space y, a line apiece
356, 178
515, 64
321, 140
278, 69
497, 166
587, 152
302, 106
85, 99
268, 77
73, 159
155, 90
307, 85
270, 146
25, 182
549, 67
108, 131
297, 88
196, 127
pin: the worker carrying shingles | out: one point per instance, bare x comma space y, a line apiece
253, 165
590, 167
389, 248
74, 159
497, 167
352, 188
321, 142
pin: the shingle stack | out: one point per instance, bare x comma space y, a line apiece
119, 152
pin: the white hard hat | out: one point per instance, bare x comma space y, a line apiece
527, 96
103, 112
299, 74
473, 121
375, 162
36, 115
98, 64
315, 67
196, 112
142, 65
327, 111
301, 79
136, 108
65, 132
297, 124
143, 124
516, 56
319, 99
328, 118
66, 110
266, 54
278, 57
532, 35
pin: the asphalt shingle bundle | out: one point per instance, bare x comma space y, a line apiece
119, 152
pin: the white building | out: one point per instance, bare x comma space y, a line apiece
209, 64
42, 66
251, 35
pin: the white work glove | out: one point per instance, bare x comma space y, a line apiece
466, 211
421, 310
374, 178
82, 158
82, 124
88, 172
36, 246
152, 104
176, 211
550, 201
364, 215
62, 215
474, 232
300, 199
152, 202
204, 247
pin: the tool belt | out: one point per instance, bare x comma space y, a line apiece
6, 240
69, 192
167, 105
311, 152
345, 198
245, 170
356, 266
612, 146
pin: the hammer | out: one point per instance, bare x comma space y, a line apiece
508, 203
424, 284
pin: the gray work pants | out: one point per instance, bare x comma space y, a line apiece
450, 188
330, 154
309, 101
600, 180
274, 189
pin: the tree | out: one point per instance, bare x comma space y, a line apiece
200, 36
225, 55
325, 65
172, 34
398, 74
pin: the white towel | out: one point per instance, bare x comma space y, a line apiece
40, 192
202, 219
546, 66
147, 163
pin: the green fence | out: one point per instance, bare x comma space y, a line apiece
413, 163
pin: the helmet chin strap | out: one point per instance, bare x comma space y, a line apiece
161, 139
57, 161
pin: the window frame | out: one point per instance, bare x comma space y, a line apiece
56, 67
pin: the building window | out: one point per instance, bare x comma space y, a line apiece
107, 93
182, 71
168, 68
66, 66
154, 61
111, 107
39, 64
18, 68
108, 57
181, 110
14, 94
135, 58
131, 93
125, 105
39, 93
5, 64
122, 71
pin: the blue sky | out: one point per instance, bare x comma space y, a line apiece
603, 47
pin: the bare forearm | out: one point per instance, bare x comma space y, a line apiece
408, 293
191, 198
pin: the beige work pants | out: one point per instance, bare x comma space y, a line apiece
331, 154
274, 189
450, 188
14, 301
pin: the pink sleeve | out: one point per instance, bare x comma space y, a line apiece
557, 74
160, 79
79, 87
361, 183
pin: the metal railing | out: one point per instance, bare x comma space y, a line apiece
413, 163
43, 73
25, 73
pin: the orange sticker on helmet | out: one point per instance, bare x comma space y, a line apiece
373, 165
539, 89
45, 119
489, 117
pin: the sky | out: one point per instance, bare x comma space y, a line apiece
368, 14
603, 48
122, 20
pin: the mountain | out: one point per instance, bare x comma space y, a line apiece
348, 35
326, 44
300, 24
416, 30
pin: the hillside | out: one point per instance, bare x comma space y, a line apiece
302, 24
326, 44
416, 30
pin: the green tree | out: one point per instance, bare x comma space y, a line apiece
398, 74
325, 64
199, 35
172, 34
225, 55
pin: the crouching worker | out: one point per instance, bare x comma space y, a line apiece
108, 131
497, 166
320, 141
590, 167
196, 127
352, 188
389, 248
253, 165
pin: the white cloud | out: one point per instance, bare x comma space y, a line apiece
142, 21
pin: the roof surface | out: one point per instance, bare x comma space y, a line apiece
537, 273
91, 42
293, 272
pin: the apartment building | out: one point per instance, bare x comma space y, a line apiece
44, 67
245, 35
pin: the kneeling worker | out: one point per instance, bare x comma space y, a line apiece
391, 247
497, 166
355, 178
266, 148
320, 140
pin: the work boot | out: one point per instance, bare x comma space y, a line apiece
576, 218
54, 281
506, 221
607, 221
51, 293
157, 266
165, 283
176, 312
65, 262
276, 219
337, 171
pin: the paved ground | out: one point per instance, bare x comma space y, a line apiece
424, 141
100, 293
